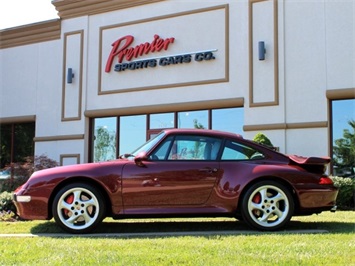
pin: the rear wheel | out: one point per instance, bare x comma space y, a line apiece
267, 205
78, 208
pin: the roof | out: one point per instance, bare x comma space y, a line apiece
209, 132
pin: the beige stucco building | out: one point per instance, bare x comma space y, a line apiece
275, 65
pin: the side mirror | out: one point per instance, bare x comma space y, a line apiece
140, 158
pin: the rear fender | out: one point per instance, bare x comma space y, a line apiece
271, 178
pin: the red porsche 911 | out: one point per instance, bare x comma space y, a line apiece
182, 173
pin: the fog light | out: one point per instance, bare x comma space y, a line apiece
23, 198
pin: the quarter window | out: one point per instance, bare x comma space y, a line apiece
237, 151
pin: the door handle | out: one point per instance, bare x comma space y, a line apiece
151, 183
209, 170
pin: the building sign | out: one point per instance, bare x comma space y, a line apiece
121, 48
123, 51
161, 52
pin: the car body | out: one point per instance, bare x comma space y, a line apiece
182, 173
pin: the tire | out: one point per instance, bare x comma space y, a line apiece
267, 206
78, 208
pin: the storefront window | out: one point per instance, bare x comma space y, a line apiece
16, 142
194, 119
343, 142
228, 119
105, 139
133, 132
165, 120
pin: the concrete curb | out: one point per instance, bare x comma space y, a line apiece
163, 234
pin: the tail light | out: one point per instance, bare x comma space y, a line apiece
325, 180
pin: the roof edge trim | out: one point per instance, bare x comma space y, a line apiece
31, 33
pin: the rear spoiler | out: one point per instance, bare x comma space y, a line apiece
309, 160
311, 164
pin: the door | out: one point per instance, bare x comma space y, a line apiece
182, 171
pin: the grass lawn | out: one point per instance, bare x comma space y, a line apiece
289, 247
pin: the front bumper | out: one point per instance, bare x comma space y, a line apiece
31, 207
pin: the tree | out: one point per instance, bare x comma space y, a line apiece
262, 139
344, 149
198, 125
198, 145
105, 145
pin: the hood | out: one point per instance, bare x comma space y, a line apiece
87, 169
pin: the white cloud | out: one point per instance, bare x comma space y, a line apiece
21, 12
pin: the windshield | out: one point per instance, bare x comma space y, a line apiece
148, 145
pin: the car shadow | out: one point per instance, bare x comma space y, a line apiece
209, 227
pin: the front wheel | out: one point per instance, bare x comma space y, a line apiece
267, 206
78, 208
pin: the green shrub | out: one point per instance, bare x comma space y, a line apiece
10, 185
6, 203
262, 139
345, 199
7, 207
22, 171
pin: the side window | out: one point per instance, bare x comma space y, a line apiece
237, 151
162, 151
188, 148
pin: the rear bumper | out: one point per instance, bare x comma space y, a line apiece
323, 198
